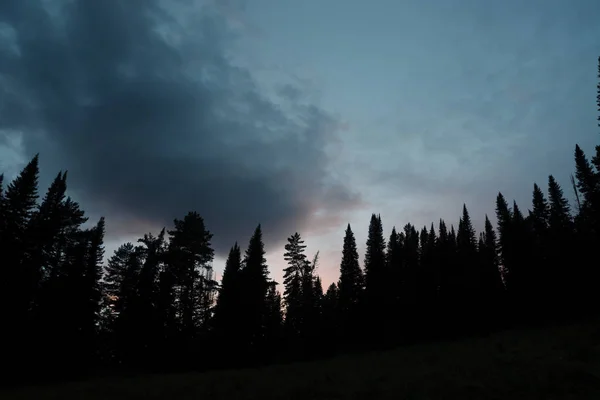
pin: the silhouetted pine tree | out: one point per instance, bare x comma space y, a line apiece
255, 275
587, 183
539, 224
190, 256
523, 268
506, 241
560, 269
318, 296
492, 287
411, 270
67, 302
587, 224
229, 302
429, 272
375, 271
19, 278
467, 276
445, 258
293, 284
427, 283
92, 292
394, 259
350, 286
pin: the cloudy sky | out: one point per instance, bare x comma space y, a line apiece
300, 115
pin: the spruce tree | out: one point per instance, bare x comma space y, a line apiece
540, 213
411, 268
560, 212
19, 282
255, 276
394, 262
587, 178
375, 267
467, 273
351, 280
505, 237
318, 296
539, 220
428, 268
376, 277
229, 301
562, 273
492, 285
92, 291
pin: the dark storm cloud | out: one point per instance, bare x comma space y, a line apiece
154, 119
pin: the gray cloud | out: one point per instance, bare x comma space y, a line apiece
148, 109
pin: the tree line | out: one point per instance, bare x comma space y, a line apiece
156, 305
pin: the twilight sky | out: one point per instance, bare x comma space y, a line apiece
300, 115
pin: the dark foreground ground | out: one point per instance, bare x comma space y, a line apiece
551, 363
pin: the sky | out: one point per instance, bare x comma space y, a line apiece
299, 115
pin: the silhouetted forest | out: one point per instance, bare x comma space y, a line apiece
155, 305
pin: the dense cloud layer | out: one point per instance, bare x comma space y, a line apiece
153, 118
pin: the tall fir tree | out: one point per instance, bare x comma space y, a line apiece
229, 302
505, 238
92, 290
394, 260
587, 178
466, 285
492, 285
561, 271
18, 284
351, 281
466, 243
375, 267
409, 292
255, 275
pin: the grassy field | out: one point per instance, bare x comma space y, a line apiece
553, 363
